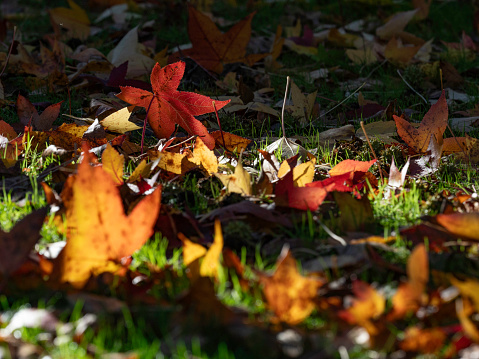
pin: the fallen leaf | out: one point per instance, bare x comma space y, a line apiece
462, 225
7, 130
19, 241
129, 49
204, 157
210, 263
468, 288
408, 297
302, 107
191, 251
290, 295
74, 19
434, 122
113, 163
230, 141
367, 305
28, 114
420, 340
167, 106
103, 233
395, 25
213, 49
465, 310
350, 166
398, 53
238, 182
118, 121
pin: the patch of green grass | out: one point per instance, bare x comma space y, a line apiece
397, 211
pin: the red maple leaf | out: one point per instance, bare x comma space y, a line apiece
167, 106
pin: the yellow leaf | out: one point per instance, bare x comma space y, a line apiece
239, 182
304, 173
103, 232
113, 163
118, 121
191, 251
209, 266
75, 19
204, 157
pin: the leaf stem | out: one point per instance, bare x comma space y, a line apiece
284, 105
374, 153
9, 51
144, 124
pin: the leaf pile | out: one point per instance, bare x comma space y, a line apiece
162, 200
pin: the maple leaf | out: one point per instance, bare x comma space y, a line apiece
167, 106
367, 305
434, 122
99, 231
211, 48
289, 294
17, 244
28, 114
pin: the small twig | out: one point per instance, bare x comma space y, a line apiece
180, 143
408, 85
284, 105
374, 153
9, 51
375, 69
347, 98
144, 124
282, 114
333, 235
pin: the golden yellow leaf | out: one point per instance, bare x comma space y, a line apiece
103, 232
204, 157
209, 266
113, 163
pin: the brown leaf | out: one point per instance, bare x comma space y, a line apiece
434, 122
213, 49
19, 241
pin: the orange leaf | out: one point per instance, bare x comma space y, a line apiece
103, 232
367, 305
464, 225
434, 122
232, 142
211, 48
167, 106
290, 295
423, 340
209, 266
409, 295
351, 166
